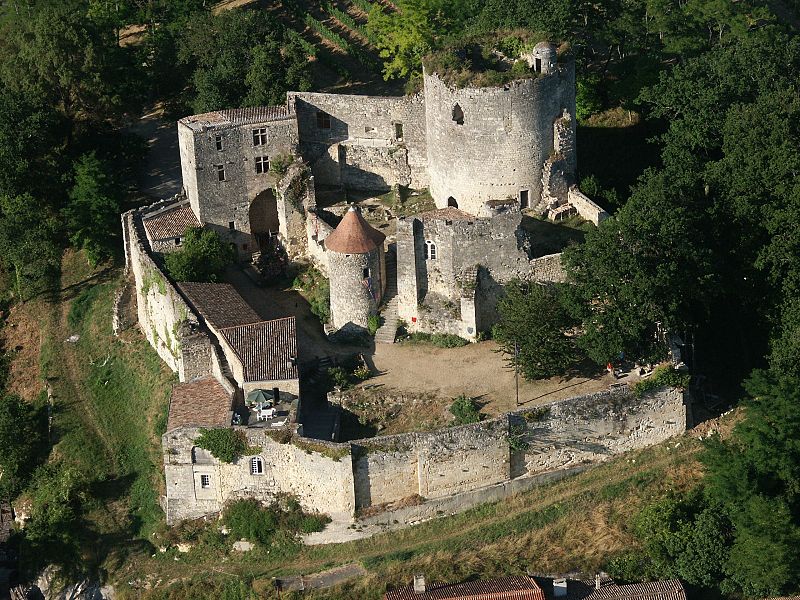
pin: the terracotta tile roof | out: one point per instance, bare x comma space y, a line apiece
267, 350
354, 235
449, 214
170, 223
502, 588
201, 402
671, 589
219, 304
238, 116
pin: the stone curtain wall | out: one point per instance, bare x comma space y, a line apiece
586, 207
369, 125
340, 478
506, 136
167, 321
318, 481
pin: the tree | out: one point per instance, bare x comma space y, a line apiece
29, 245
535, 326
203, 257
92, 215
406, 36
21, 441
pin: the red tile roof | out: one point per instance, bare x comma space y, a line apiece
170, 223
201, 402
502, 588
267, 350
671, 589
238, 116
219, 304
354, 235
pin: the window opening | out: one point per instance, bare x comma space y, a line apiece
452, 202
458, 115
323, 120
262, 164
523, 199
398, 131
538, 66
205, 481
178, 241
218, 141
430, 250
369, 129
221, 172
260, 136
256, 466
366, 273
231, 224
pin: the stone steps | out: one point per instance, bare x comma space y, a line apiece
387, 331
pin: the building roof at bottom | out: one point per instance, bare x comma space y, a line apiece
267, 350
170, 223
201, 402
671, 589
501, 588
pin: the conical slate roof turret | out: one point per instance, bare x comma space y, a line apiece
354, 235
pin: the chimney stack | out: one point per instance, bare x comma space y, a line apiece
597, 581
419, 584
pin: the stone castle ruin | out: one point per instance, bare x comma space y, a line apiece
488, 155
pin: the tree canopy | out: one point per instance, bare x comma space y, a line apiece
202, 257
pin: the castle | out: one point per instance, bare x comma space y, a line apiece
486, 154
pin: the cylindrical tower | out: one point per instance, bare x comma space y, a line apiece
490, 143
357, 268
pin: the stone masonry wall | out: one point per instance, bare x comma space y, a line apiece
166, 320
505, 137
370, 125
586, 207
351, 301
340, 478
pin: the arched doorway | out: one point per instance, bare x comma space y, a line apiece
452, 202
263, 216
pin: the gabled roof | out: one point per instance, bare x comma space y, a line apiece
267, 350
671, 589
170, 223
354, 235
219, 304
237, 116
201, 402
501, 588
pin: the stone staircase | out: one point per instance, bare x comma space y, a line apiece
387, 331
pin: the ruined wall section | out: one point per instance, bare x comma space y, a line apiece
498, 149
320, 482
166, 320
371, 142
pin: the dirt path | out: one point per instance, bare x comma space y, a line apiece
477, 370
160, 176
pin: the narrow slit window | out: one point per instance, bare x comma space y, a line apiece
231, 224
398, 131
218, 141
221, 172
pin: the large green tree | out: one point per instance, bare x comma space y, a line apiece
21, 442
203, 257
536, 328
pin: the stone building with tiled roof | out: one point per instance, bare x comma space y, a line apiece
165, 228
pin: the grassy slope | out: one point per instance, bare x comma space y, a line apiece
110, 396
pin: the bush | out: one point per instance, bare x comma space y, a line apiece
316, 290
373, 324
338, 377
442, 340
224, 444
21, 443
250, 520
280, 164
203, 257
664, 375
465, 410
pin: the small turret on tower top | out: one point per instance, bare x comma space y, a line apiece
543, 58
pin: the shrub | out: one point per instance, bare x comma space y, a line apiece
339, 377
448, 340
362, 373
280, 164
21, 443
316, 290
224, 444
248, 519
465, 410
373, 324
203, 257
516, 438
664, 375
